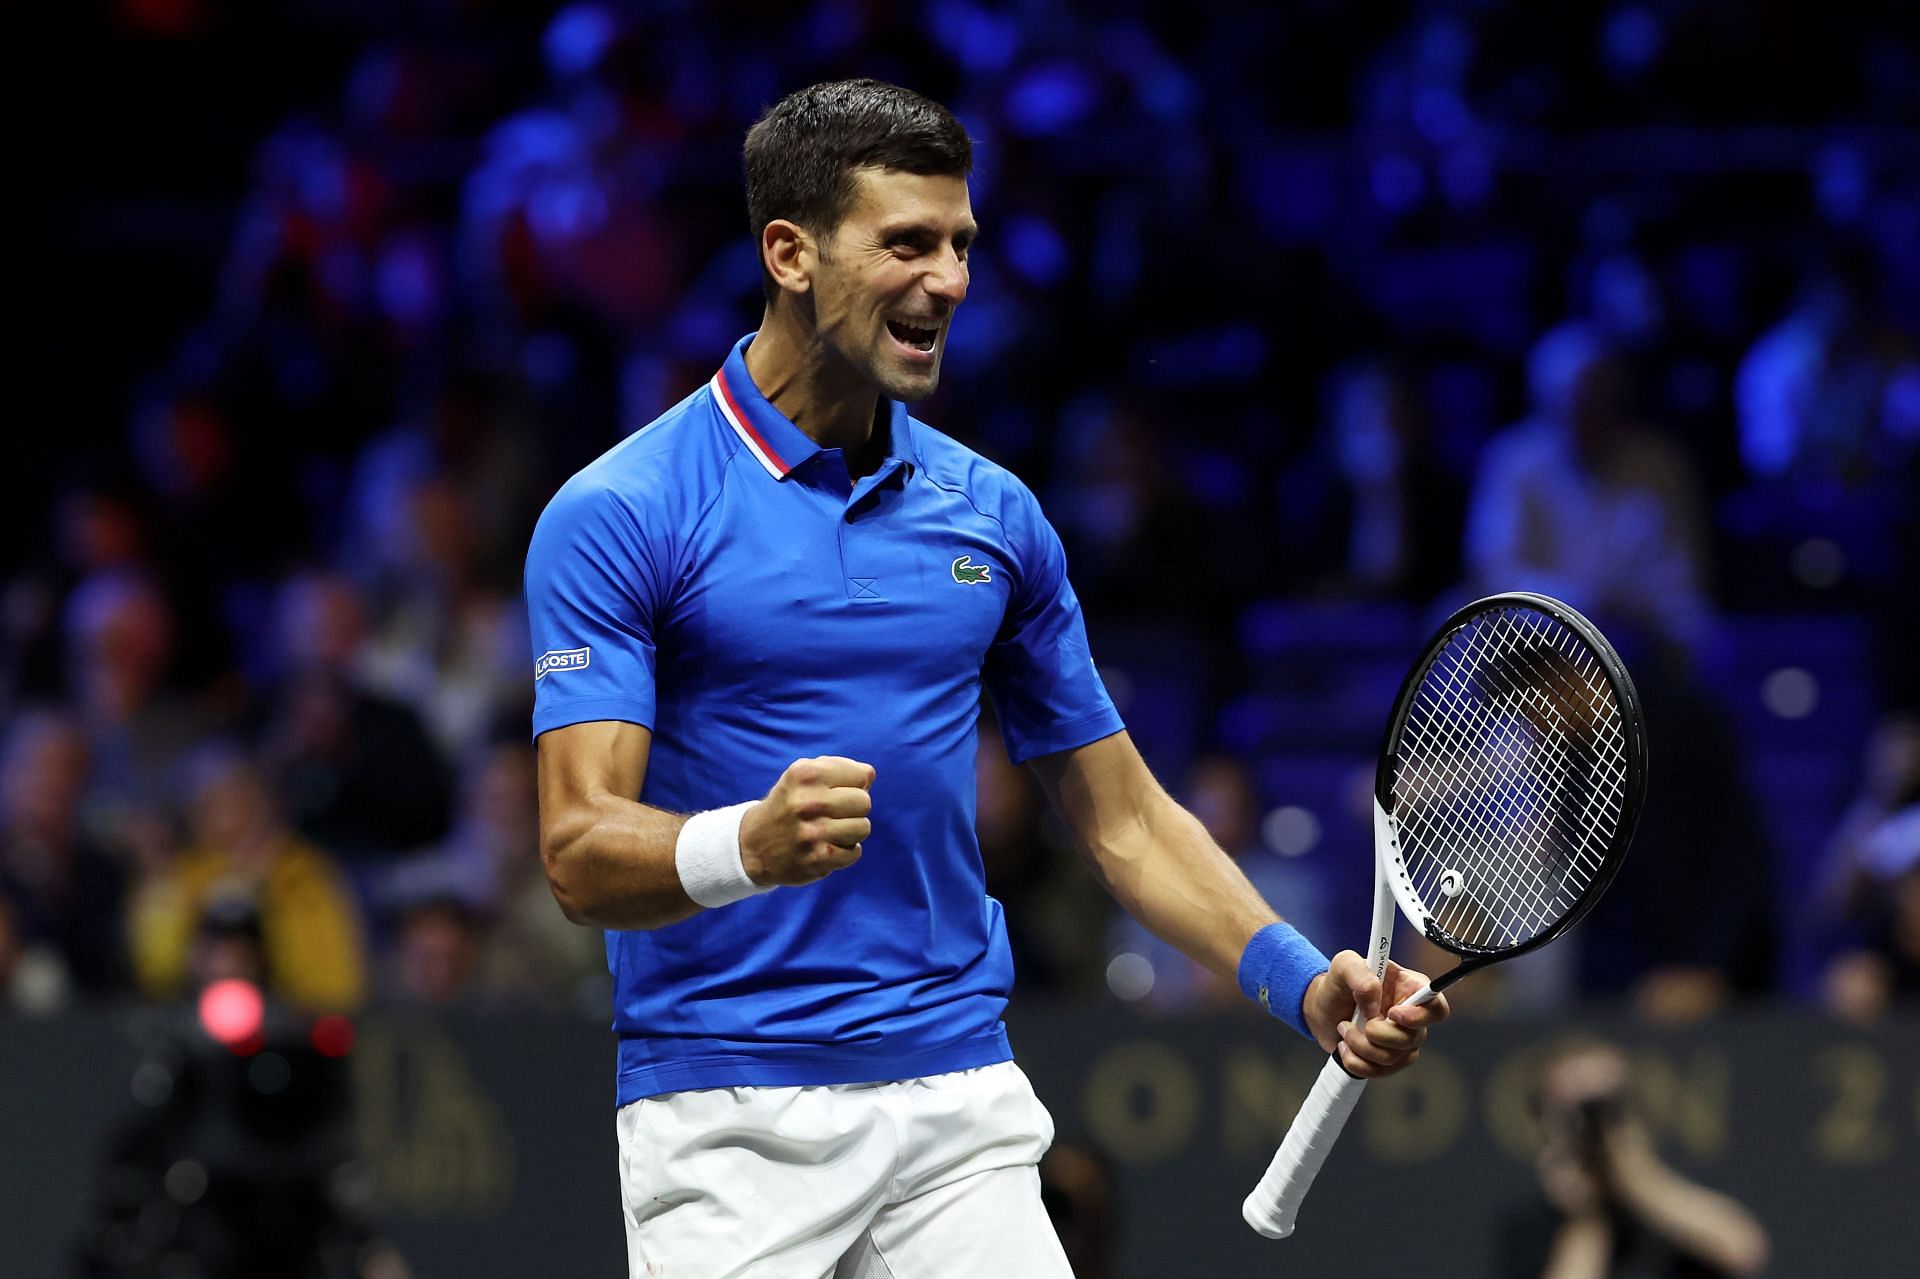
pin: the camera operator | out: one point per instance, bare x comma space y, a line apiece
236, 1159
1614, 1209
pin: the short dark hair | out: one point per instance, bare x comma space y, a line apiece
802, 154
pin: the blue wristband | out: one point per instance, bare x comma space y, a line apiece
1275, 970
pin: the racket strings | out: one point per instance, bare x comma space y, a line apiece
1449, 827
1517, 806
1510, 778
1521, 810
1506, 905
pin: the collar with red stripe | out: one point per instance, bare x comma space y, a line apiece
775, 442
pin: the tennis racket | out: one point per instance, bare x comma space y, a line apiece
1507, 791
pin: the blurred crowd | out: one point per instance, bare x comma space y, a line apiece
1307, 322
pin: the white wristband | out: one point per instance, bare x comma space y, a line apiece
707, 856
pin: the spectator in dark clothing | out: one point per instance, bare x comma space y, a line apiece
1141, 547
1884, 967
1613, 1208
33, 977
436, 953
64, 892
95, 526
1870, 907
1809, 391
1698, 837
1374, 503
1580, 501
358, 771
121, 630
1054, 910
1077, 1187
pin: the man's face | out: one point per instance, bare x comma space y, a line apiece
889, 277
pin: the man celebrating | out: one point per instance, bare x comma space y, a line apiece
785, 581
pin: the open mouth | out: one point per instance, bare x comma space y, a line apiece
910, 334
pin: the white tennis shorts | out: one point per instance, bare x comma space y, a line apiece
916, 1179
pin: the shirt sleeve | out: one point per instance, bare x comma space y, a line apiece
594, 588
1039, 672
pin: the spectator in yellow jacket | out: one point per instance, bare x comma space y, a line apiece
240, 845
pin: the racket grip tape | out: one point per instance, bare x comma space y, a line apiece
1272, 1206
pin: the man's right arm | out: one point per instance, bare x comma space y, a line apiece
611, 860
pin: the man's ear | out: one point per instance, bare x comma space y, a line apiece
788, 253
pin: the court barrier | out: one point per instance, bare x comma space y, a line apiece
485, 1146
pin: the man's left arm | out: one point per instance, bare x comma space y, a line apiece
1165, 870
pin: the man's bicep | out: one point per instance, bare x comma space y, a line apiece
582, 763
609, 859
1096, 785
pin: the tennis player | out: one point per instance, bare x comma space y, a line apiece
763, 626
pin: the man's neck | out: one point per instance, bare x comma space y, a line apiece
833, 405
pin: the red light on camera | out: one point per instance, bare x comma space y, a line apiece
232, 1013
332, 1036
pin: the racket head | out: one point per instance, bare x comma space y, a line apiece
1513, 773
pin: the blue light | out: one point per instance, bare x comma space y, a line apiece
1397, 183
577, 39
1049, 99
1036, 250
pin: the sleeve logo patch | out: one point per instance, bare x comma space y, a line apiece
560, 659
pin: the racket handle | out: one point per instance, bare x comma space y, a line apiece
1271, 1207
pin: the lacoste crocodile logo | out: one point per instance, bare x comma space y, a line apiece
965, 570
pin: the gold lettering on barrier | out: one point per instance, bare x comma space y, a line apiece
1851, 1131
1141, 1102
1684, 1102
1413, 1117
1259, 1098
433, 1141
1508, 1102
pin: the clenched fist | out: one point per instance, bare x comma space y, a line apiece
810, 824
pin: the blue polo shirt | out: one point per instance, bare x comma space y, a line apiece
719, 579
